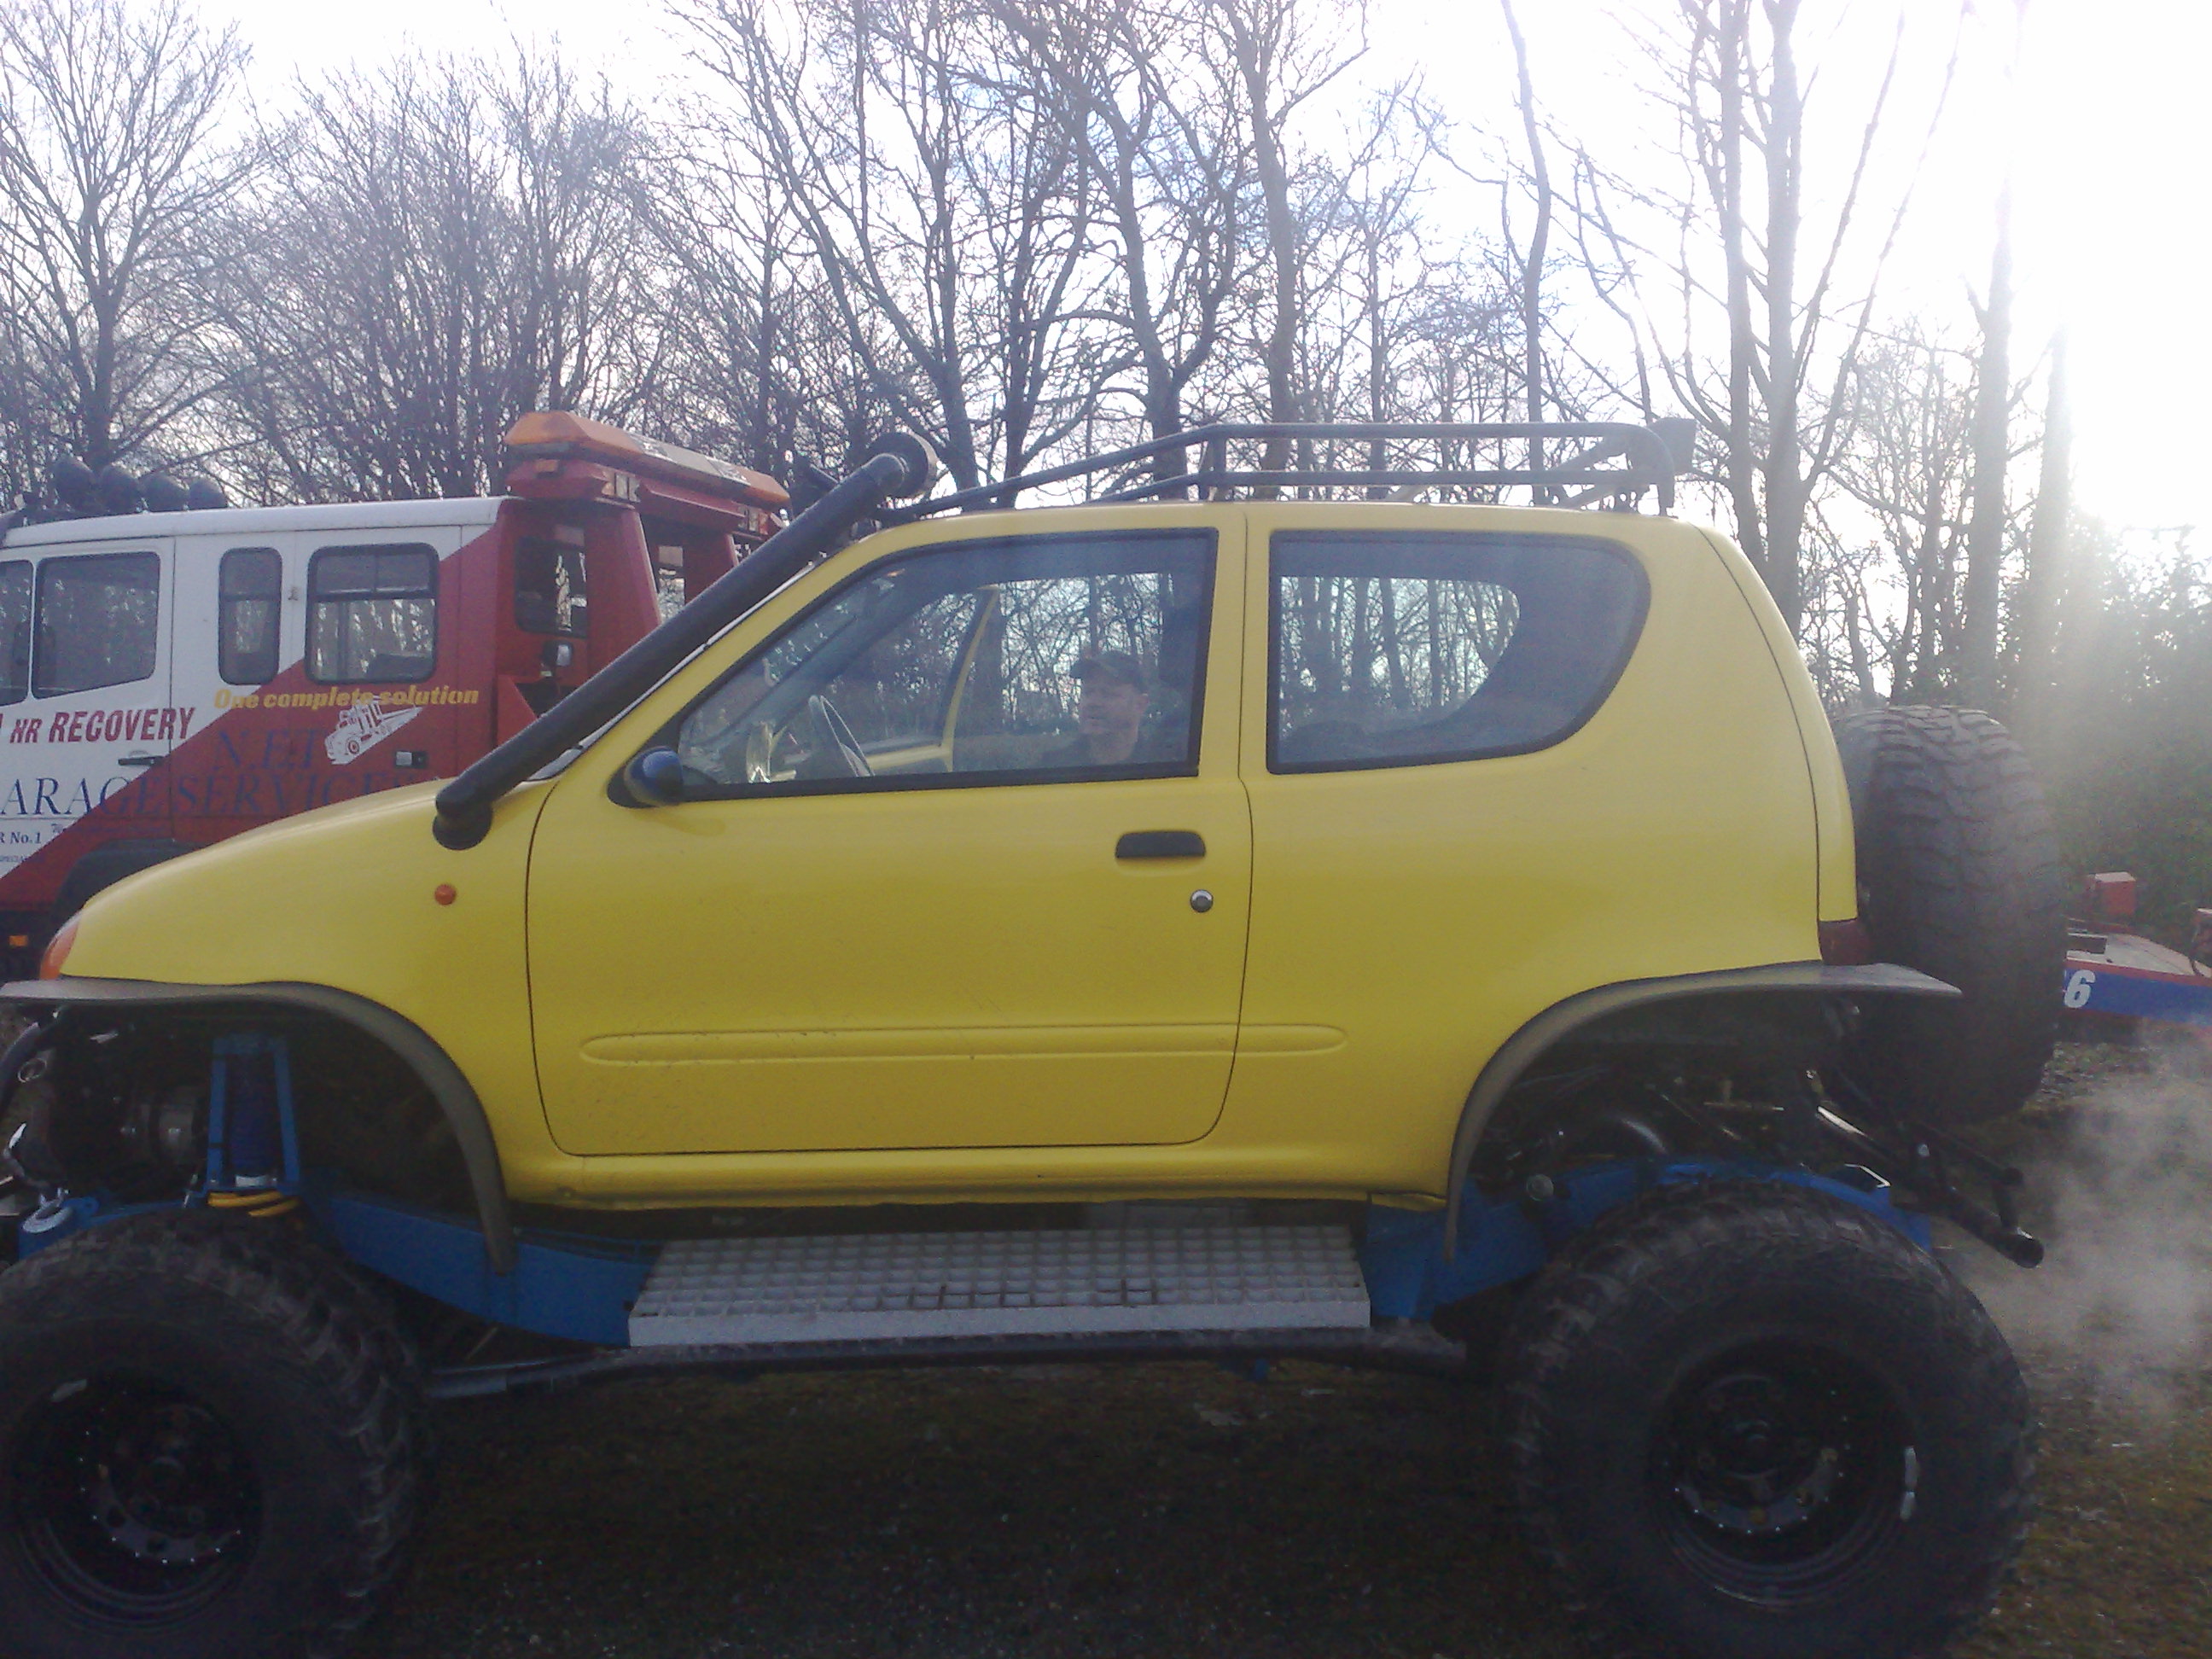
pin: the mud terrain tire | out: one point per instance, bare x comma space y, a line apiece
1748, 1420
210, 1444
1958, 875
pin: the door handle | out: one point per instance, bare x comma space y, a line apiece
1161, 844
138, 760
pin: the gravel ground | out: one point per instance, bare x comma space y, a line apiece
1177, 1509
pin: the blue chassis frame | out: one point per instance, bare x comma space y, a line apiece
582, 1288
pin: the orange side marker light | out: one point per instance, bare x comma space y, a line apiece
58, 950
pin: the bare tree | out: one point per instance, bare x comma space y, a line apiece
1156, 115
757, 367
1985, 532
1889, 574
1907, 473
1532, 262
1396, 323
111, 170
1284, 53
944, 205
2048, 575
446, 245
1793, 290
1985, 539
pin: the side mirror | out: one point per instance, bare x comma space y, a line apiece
654, 778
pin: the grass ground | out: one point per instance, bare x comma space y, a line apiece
1178, 1510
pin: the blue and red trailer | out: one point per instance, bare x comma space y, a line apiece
2115, 975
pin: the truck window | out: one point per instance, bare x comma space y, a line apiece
372, 614
250, 588
549, 587
14, 630
1394, 649
98, 621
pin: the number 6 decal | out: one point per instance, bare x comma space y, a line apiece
2079, 985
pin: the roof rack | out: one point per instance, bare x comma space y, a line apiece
1560, 463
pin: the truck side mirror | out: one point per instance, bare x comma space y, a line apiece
654, 778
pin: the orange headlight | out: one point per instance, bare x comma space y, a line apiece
58, 950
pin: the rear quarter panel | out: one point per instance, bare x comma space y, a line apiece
1407, 921
1824, 767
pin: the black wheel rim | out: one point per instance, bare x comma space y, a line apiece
1781, 1472
136, 1503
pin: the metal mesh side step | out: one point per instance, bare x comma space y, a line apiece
864, 1287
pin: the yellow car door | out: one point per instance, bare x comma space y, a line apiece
960, 858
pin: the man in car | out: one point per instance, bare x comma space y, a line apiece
1112, 698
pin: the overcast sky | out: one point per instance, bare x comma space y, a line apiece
2107, 139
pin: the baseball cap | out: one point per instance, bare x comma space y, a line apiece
1118, 666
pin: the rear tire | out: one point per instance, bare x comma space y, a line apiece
211, 1444
1957, 874
1747, 1420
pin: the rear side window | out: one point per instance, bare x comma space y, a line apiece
14, 630
1408, 650
372, 614
98, 621
252, 589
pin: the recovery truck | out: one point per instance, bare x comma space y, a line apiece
168, 679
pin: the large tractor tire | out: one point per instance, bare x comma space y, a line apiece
211, 1444
1749, 1420
1957, 874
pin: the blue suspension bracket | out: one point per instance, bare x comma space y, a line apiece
252, 1158
1504, 1239
254, 1136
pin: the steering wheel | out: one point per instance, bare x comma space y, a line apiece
760, 752
830, 740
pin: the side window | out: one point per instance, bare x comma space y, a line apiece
549, 587
1023, 660
98, 621
1405, 650
14, 630
250, 597
372, 614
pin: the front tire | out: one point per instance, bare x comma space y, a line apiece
208, 1445
1748, 1420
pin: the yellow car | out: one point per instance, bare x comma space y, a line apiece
1253, 911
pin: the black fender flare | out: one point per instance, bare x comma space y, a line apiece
1562, 1018
456, 1097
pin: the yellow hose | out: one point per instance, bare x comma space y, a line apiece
269, 1202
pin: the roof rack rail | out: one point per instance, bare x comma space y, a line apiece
1561, 463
